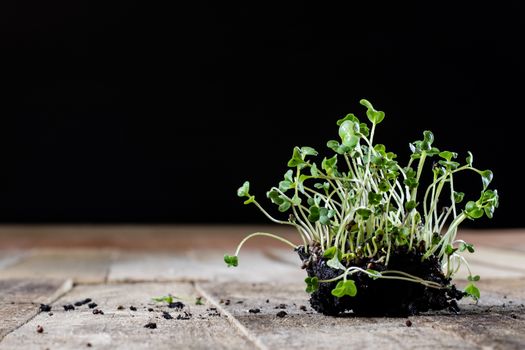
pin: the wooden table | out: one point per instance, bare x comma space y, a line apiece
123, 267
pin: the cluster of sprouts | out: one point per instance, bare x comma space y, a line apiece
361, 203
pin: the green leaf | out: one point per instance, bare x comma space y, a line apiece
296, 200
374, 198
330, 252
314, 214
333, 145
466, 246
447, 155
374, 116
473, 210
312, 284
335, 263
458, 197
375, 274
308, 151
231, 260
345, 288
244, 190
275, 197
285, 185
474, 278
329, 164
472, 291
410, 205
284, 206
411, 182
449, 250
250, 199
364, 213
313, 170
384, 185
288, 176
297, 159
350, 117
167, 298
470, 158
349, 133
486, 178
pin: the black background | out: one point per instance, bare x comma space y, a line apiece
139, 112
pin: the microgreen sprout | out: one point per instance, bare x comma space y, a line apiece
360, 202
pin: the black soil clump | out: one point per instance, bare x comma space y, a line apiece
382, 297
167, 315
176, 305
150, 325
45, 308
281, 314
68, 307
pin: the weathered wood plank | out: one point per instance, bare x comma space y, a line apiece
13, 316
35, 291
20, 300
81, 265
205, 265
306, 330
124, 329
10, 257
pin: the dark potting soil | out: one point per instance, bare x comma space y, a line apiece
382, 297
45, 308
176, 305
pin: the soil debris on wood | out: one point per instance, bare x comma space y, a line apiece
68, 307
39, 329
120, 307
254, 311
88, 345
92, 305
176, 305
186, 316
280, 306
408, 323
281, 314
45, 308
302, 308
98, 312
167, 315
150, 325
133, 308
83, 302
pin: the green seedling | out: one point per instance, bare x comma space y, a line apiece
360, 202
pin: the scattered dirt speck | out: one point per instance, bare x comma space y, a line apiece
186, 316
88, 345
254, 311
280, 306
120, 307
133, 308
39, 329
68, 307
92, 305
239, 302
167, 315
267, 300
98, 312
150, 309
408, 323
50, 314
513, 316
45, 308
227, 302
150, 325
281, 314
176, 305
302, 307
